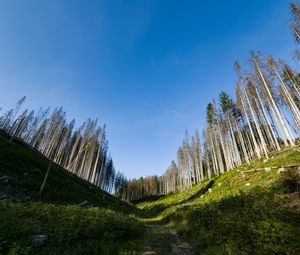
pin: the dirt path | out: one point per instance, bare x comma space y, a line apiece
160, 240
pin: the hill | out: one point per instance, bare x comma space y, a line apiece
71, 217
252, 209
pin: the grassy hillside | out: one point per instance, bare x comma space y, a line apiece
251, 212
106, 227
254, 209
26, 170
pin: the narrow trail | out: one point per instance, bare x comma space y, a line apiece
161, 240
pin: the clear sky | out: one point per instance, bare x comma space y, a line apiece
146, 68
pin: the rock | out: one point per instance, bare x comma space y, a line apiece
267, 169
281, 170
27, 198
39, 240
219, 184
248, 184
209, 190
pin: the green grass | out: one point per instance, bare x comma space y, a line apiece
254, 212
69, 230
106, 228
235, 218
26, 171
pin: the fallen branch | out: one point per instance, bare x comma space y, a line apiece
269, 168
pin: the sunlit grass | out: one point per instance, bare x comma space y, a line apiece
244, 212
238, 212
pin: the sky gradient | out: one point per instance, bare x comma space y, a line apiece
145, 68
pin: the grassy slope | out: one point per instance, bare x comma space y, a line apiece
26, 171
234, 218
107, 228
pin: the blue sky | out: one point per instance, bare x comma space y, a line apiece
145, 68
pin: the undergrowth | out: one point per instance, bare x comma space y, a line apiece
67, 230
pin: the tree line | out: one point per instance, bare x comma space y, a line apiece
82, 150
264, 117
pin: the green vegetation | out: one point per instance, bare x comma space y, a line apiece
68, 229
26, 170
104, 228
252, 209
239, 212
237, 186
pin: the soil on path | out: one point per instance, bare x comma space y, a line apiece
161, 240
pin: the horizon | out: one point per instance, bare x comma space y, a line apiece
142, 76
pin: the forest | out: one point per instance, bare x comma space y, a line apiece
232, 188
82, 151
264, 117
